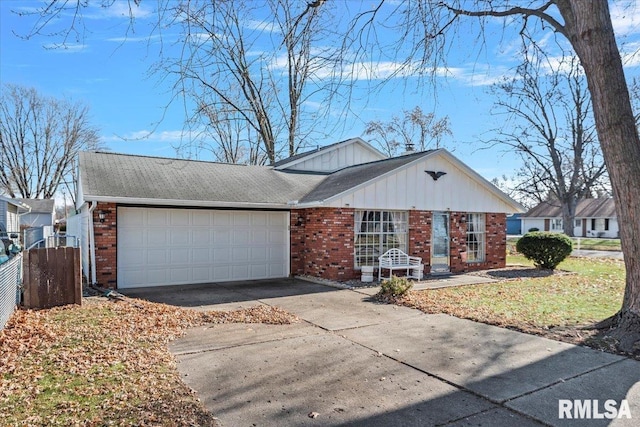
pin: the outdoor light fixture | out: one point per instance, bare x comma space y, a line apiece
101, 215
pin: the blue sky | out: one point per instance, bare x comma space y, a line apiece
110, 73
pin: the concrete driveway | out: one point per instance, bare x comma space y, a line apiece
351, 361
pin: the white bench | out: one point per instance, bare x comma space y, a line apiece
395, 259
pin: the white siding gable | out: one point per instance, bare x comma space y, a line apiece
410, 187
351, 152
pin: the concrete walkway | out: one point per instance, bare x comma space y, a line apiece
351, 361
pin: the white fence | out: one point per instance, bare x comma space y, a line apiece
10, 281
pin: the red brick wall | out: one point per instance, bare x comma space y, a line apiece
105, 234
322, 243
420, 235
495, 242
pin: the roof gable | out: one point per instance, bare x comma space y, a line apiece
403, 183
333, 157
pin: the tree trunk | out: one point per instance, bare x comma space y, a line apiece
590, 31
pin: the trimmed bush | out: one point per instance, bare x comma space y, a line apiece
395, 287
545, 249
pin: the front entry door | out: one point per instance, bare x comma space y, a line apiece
440, 243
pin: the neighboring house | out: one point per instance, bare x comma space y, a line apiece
514, 224
42, 212
155, 221
593, 218
10, 212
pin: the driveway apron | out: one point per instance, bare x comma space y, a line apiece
352, 361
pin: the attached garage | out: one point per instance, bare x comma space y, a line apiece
173, 246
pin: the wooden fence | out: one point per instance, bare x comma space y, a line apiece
52, 277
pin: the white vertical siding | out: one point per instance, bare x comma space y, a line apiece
413, 188
337, 158
78, 226
3, 214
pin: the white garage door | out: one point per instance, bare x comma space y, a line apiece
158, 246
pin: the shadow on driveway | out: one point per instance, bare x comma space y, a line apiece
226, 295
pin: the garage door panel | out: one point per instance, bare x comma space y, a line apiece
222, 237
157, 217
157, 237
242, 219
259, 254
241, 255
221, 255
162, 246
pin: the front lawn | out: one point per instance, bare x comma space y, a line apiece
104, 363
581, 293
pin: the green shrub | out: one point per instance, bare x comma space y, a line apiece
395, 287
545, 249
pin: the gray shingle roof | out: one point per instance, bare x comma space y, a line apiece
587, 208
106, 175
353, 176
39, 205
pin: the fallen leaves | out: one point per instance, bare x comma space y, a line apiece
104, 363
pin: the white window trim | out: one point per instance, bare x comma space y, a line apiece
476, 228
382, 228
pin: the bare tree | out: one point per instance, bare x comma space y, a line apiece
550, 126
414, 129
237, 67
425, 30
39, 140
428, 29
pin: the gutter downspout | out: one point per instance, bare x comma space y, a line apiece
92, 244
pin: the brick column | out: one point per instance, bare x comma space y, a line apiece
105, 234
420, 236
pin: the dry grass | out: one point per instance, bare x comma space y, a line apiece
104, 363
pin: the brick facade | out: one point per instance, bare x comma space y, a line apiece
322, 242
495, 242
105, 234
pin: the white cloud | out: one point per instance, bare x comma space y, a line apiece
66, 47
166, 136
625, 17
254, 24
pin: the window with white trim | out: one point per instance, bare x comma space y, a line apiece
556, 224
476, 232
378, 231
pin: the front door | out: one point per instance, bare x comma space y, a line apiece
440, 243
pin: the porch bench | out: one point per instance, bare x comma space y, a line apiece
395, 259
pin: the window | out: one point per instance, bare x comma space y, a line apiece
593, 223
556, 224
378, 231
577, 223
475, 237
606, 224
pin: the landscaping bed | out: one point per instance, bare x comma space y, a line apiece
104, 363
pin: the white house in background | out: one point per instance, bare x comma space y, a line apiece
594, 218
10, 212
42, 212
